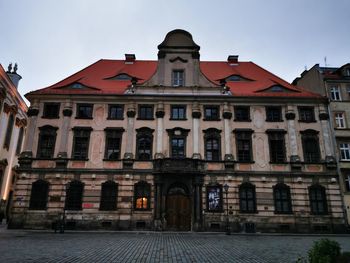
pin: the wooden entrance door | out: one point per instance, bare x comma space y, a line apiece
178, 212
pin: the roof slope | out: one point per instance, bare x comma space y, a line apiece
98, 78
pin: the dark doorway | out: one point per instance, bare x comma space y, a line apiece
178, 207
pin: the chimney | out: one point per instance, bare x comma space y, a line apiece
232, 59
12, 74
130, 58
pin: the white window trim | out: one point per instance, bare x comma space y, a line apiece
335, 93
339, 119
344, 148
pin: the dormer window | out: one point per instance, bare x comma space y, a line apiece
178, 78
234, 78
347, 72
276, 88
123, 77
77, 86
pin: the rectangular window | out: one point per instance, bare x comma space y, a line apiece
84, 111
306, 114
318, 202
212, 113
339, 120
81, 143
178, 112
214, 198
47, 140
113, 143
178, 78
244, 146
273, 113
344, 151
115, 112
51, 110
311, 147
335, 93
145, 112
177, 147
277, 147
242, 113
347, 183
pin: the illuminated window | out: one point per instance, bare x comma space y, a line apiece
142, 196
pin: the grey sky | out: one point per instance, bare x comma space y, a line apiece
51, 40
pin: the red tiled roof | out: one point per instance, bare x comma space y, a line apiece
97, 78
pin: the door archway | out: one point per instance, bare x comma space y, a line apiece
178, 208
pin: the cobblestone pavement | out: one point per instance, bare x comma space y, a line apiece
30, 246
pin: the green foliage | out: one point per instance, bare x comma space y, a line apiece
324, 251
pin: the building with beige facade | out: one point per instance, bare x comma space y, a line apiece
13, 121
178, 144
334, 83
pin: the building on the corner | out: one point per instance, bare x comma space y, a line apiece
135, 144
334, 83
13, 121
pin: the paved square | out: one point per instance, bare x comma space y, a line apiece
29, 246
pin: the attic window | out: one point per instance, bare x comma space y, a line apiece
123, 77
347, 72
276, 88
234, 78
77, 86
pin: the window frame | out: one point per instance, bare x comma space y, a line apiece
211, 108
85, 105
20, 141
335, 93
245, 208
144, 192
39, 195
306, 136
177, 134
76, 130
277, 152
51, 114
240, 117
285, 202
344, 150
108, 197
178, 78
244, 136
110, 134
9, 130
340, 120
117, 106
77, 204
347, 182
272, 110
306, 114
144, 115
144, 133
212, 134
322, 201
46, 131
178, 107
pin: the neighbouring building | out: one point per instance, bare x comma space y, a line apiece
178, 144
13, 121
334, 83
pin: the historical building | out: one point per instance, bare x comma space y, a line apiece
178, 144
334, 83
13, 120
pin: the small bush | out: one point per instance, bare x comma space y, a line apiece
324, 251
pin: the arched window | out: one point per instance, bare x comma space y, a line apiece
142, 196
9, 131
74, 195
318, 200
20, 141
47, 140
109, 195
281, 194
247, 198
212, 142
39, 194
311, 146
144, 143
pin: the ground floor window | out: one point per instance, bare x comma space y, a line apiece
142, 196
281, 194
39, 194
214, 198
318, 201
109, 195
247, 198
74, 195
